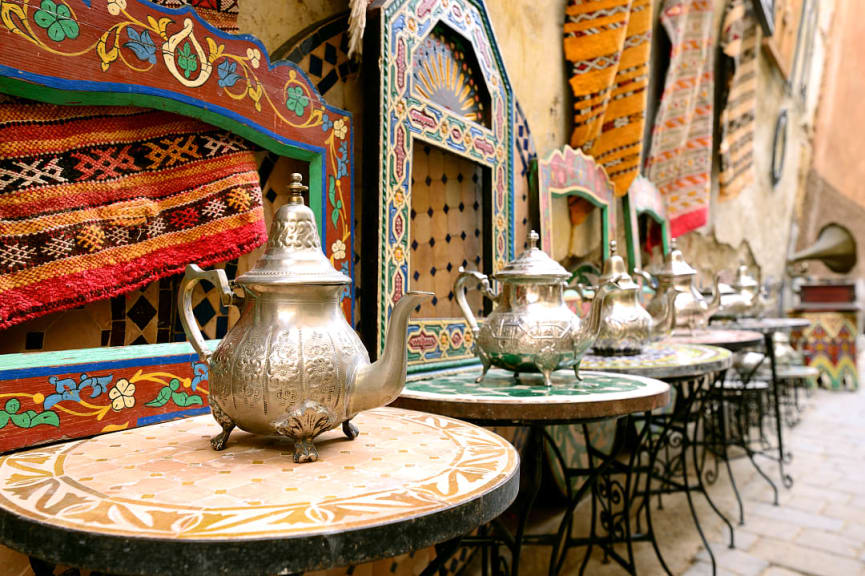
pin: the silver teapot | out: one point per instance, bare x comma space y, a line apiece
744, 296
292, 365
692, 310
530, 329
626, 327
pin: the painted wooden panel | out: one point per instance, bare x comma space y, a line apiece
829, 345
643, 199
133, 52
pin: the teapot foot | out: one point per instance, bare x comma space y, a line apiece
486, 365
305, 450
577, 372
350, 430
548, 381
219, 441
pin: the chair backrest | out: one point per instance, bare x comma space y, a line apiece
141, 54
643, 199
570, 172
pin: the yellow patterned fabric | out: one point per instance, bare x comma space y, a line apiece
739, 37
680, 160
607, 43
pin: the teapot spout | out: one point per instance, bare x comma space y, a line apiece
715, 304
381, 382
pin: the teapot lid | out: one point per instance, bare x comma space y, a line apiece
533, 264
744, 279
293, 255
674, 264
616, 271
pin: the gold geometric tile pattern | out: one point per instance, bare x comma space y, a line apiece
403, 465
447, 228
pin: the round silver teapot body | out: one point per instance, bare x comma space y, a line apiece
290, 351
692, 310
626, 327
530, 330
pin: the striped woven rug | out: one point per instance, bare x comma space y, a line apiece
739, 41
680, 160
97, 201
607, 43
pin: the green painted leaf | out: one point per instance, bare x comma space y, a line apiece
339, 204
187, 61
43, 19
63, 11
12, 405
161, 399
174, 384
55, 32
4, 419
334, 217
331, 189
70, 28
48, 418
30, 419
183, 399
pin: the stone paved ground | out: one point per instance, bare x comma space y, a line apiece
818, 528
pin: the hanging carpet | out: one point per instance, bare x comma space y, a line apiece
739, 40
96, 201
607, 44
680, 159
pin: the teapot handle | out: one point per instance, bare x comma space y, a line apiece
460, 294
195, 274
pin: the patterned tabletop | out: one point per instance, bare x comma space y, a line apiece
499, 398
664, 360
160, 493
730, 339
765, 325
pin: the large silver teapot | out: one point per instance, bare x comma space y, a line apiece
292, 365
692, 310
530, 329
626, 327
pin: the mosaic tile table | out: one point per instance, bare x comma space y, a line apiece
674, 436
732, 340
501, 400
158, 500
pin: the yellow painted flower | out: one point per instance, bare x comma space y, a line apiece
398, 254
122, 395
116, 6
398, 197
468, 338
338, 250
444, 340
254, 56
340, 129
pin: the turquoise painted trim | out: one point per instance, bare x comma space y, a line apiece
27, 365
438, 366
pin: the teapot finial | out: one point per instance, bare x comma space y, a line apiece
674, 244
296, 189
612, 247
533, 239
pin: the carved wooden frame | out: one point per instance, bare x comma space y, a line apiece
570, 172
395, 29
643, 198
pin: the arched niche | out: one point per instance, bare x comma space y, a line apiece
408, 44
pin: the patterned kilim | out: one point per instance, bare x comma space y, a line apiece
96, 201
607, 43
739, 42
681, 154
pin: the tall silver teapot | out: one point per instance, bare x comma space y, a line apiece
692, 310
530, 329
292, 365
744, 297
626, 327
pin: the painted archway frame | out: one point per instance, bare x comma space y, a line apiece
133, 52
643, 198
395, 30
570, 172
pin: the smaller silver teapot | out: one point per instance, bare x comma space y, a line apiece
692, 310
626, 327
744, 296
530, 329
291, 365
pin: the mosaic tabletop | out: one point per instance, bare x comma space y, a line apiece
765, 325
729, 339
664, 360
158, 499
500, 398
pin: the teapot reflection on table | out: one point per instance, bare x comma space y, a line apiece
292, 365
